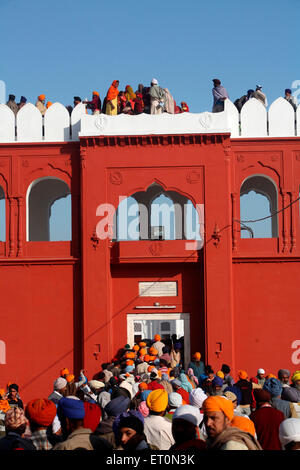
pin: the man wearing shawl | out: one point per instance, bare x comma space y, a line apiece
218, 415
40, 413
157, 429
158, 98
95, 104
112, 99
219, 95
284, 377
40, 104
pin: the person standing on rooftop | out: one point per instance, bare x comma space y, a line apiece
112, 99
260, 96
220, 95
158, 98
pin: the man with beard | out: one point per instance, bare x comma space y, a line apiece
218, 414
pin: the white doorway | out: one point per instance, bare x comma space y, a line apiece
146, 325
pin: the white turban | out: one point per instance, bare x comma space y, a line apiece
289, 430
175, 400
127, 386
197, 397
59, 384
96, 384
188, 413
154, 81
261, 371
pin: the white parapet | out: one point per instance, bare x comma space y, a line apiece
59, 126
7, 124
281, 119
148, 124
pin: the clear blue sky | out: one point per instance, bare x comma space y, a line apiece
71, 47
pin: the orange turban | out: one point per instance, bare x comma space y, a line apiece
130, 355
157, 337
243, 423
146, 358
2, 392
129, 362
70, 377
242, 374
96, 93
41, 411
41, 97
49, 104
150, 368
197, 356
64, 371
157, 400
217, 403
270, 376
143, 386
142, 344
152, 358
136, 347
153, 351
142, 352
4, 405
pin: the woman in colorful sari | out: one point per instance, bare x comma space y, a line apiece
112, 99
129, 93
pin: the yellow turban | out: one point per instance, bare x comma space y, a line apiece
217, 403
242, 374
220, 374
245, 424
270, 376
197, 356
296, 376
157, 400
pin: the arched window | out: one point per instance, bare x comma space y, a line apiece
2, 216
162, 218
258, 200
49, 210
127, 217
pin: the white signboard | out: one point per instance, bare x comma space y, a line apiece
158, 289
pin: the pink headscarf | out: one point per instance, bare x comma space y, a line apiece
143, 408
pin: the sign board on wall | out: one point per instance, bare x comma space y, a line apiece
158, 289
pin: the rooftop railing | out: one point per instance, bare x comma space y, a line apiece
254, 120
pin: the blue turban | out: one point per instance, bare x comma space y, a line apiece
117, 405
129, 368
273, 386
131, 417
217, 381
144, 394
70, 408
288, 90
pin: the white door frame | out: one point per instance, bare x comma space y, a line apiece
162, 316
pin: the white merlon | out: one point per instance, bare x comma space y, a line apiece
254, 120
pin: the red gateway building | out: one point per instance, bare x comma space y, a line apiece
75, 303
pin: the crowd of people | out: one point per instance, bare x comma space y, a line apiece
149, 100
145, 399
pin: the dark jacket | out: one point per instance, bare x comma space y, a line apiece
246, 390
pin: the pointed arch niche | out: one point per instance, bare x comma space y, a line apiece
49, 210
156, 214
259, 200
